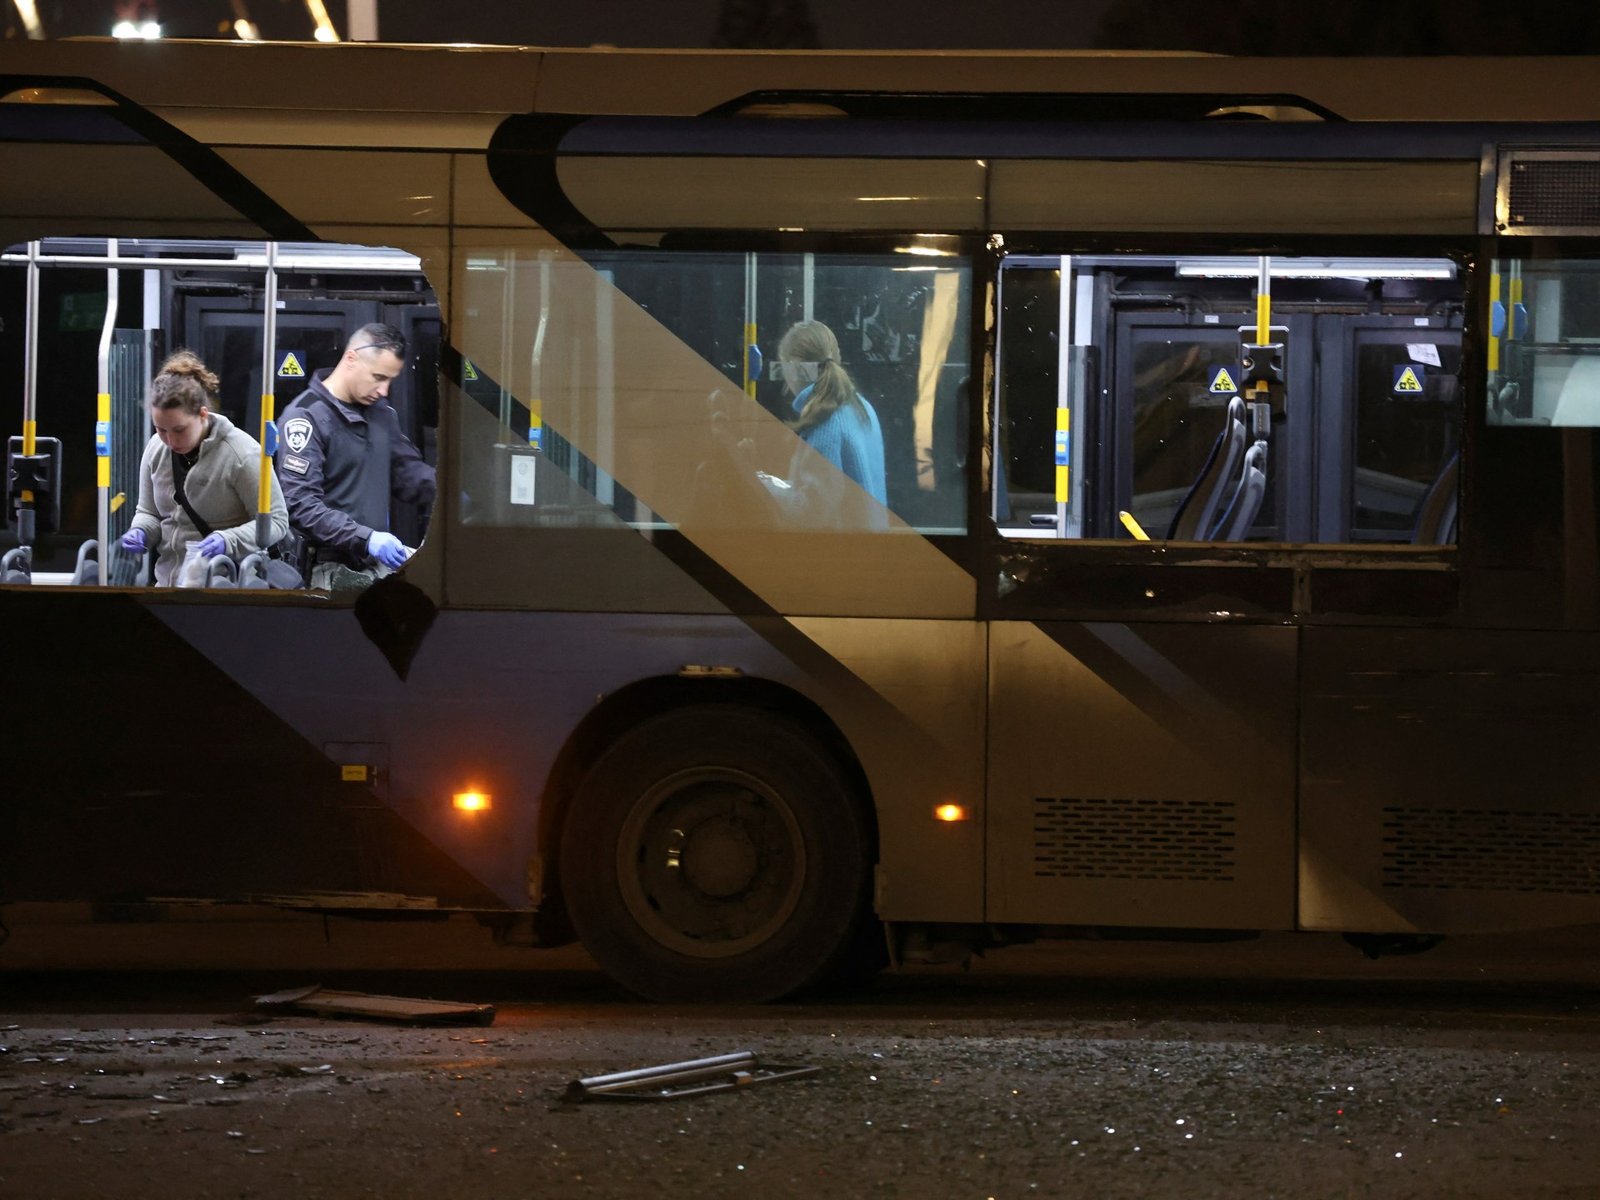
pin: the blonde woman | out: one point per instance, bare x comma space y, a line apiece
199, 476
834, 419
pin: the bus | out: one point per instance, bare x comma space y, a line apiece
1232, 567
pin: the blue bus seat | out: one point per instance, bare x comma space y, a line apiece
1196, 514
1436, 515
1241, 514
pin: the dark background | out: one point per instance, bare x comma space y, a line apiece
1291, 27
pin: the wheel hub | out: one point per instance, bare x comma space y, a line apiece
719, 858
711, 862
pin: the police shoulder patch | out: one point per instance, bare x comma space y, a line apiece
293, 462
297, 433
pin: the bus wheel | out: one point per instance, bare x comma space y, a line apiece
716, 853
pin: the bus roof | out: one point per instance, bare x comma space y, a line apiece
361, 77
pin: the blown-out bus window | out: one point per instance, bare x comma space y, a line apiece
1127, 407
106, 314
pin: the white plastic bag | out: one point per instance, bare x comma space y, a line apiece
192, 570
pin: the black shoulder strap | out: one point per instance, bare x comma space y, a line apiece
180, 472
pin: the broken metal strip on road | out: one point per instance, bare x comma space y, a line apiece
694, 1077
328, 1002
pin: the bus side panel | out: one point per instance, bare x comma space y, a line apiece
488, 703
138, 766
909, 698
1447, 780
1142, 775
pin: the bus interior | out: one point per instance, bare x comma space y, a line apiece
1124, 369
117, 307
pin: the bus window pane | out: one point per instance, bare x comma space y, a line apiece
1406, 433
809, 391
1544, 344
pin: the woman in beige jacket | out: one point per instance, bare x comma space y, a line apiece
215, 463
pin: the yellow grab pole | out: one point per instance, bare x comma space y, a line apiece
269, 338
1494, 339
1063, 455
1260, 389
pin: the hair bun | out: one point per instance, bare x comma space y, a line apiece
187, 364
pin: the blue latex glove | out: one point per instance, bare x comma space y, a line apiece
133, 542
213, 545
387, 549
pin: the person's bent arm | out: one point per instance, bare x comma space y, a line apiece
410, 477
146, 521
240, 539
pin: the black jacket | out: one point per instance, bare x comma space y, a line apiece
340, 466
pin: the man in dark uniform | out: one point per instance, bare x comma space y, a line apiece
342, 458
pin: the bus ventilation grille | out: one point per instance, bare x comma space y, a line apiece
1491, 850
1549, 192
1170, 841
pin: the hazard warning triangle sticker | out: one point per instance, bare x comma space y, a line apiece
1222, 382
1405, 380
291, 367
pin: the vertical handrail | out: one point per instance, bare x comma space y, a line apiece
1263, 299
536, 365
1063, 438
269, 428
30, 391
749, 322
102, 428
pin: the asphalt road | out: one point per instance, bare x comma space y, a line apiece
1282, 1067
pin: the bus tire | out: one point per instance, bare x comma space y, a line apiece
716, 853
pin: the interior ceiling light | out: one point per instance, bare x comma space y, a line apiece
135, 30
1319, 268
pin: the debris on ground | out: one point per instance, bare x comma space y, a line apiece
327, 1002
675, 1081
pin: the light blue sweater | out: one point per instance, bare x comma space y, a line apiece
852, 440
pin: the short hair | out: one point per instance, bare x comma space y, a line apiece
378, 336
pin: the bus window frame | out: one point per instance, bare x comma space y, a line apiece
969, 250
143, 586
1120, 579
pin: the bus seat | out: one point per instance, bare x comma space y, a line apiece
1195, 515
222, 572
1241, 514
1436, 515
87, 569
253, 571
14, 567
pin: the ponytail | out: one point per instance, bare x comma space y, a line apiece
813, 342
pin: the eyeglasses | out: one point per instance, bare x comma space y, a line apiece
397, 348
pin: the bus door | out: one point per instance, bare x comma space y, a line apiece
1142, 693
1447, 779
1174, 375
226, 332
312, 331
1399, 432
